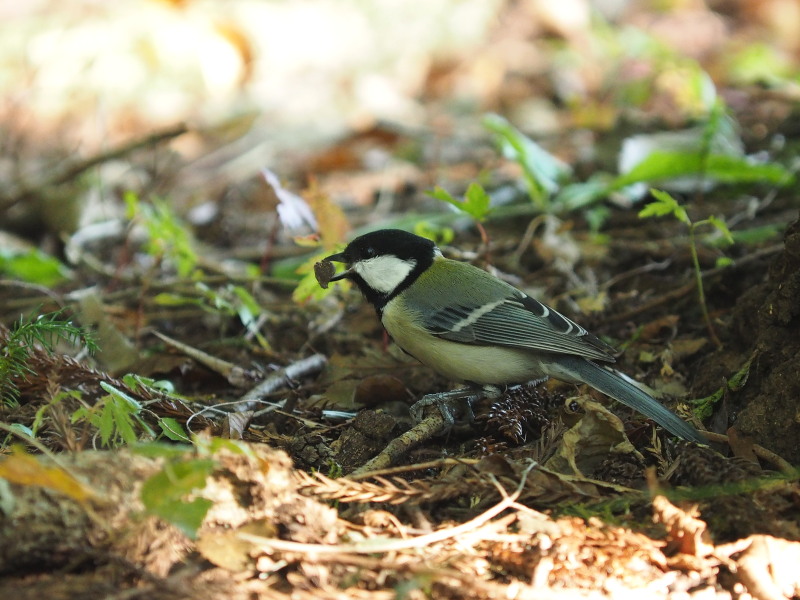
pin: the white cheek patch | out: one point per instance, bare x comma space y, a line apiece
384, 273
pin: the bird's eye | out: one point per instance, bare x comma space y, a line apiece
369, 252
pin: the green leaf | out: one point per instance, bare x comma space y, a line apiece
720, 226
33, 266
704, 406
134, 405
173, 430
596, 216
575, 196
164, 493
723, 261
161, 450
162, 385
44, 330
123, 414
215, 444
739, 379
442, 194
308, 287
40, 413
132, 204
438, 234
248, 310
22, 429
175, 481
115, 416
476, 202
662, 166
216, 302
647, 357
82, 413
104, 421
168, 237
664, 205
757, 235
138, 382
248, 302
170, 299
761, 63
543, 171
186, 516
288, 269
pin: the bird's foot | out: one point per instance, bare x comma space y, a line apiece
453, 403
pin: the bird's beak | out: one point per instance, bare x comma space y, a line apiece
338, 257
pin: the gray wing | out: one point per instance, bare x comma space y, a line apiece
517, 321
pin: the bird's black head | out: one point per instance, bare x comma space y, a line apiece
384, 262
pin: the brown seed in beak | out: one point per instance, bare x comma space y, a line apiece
324, 272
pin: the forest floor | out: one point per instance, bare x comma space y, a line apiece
222, 441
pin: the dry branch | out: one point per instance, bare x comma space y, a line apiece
74, 169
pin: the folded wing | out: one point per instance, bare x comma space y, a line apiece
517, 321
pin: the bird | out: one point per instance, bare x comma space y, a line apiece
473, 328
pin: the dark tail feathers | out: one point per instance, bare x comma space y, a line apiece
614, 385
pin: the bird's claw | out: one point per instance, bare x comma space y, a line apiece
451, 404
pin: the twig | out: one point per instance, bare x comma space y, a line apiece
530, 230
371, 546
652, 266
429, 427
236, 375
431, 464
768, 455
280, 378
58, 299
75, 169
255, 396
118, 152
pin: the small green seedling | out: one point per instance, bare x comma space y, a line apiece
476, 204
665, 205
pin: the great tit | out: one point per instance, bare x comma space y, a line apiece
472, 327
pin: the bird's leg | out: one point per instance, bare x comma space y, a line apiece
452, 402
534, 383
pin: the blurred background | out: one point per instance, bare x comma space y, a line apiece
393, 90
176, 168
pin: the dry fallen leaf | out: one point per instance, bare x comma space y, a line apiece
598, 433
23, 469
225, 548
684, 529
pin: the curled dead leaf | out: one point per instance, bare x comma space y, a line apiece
598, 433
684, 529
